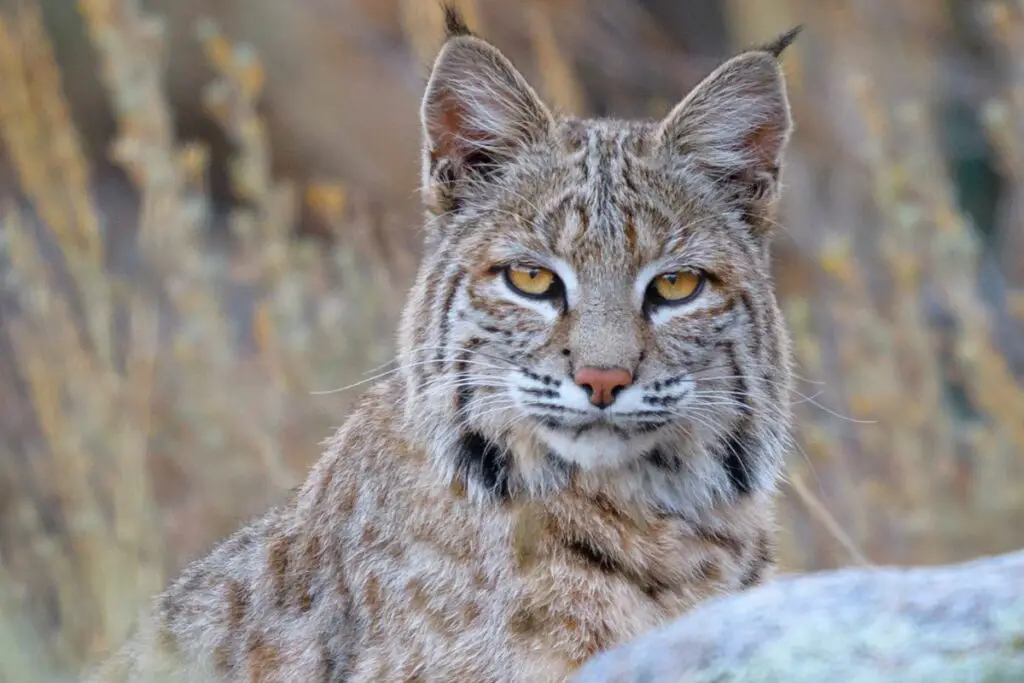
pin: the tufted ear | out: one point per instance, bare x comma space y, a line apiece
478, 112
736, 124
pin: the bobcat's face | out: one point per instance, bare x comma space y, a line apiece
602, 287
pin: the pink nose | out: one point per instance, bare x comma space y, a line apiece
603, 384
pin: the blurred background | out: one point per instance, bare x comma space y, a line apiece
209, 218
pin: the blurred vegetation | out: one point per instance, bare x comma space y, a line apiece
209, 219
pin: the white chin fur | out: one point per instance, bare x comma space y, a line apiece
597, 448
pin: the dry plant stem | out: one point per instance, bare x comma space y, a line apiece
821, 513
265, 229
130, 49
58, 360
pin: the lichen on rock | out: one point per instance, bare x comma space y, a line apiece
958, 623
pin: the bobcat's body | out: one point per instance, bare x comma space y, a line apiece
488, 513
378, 571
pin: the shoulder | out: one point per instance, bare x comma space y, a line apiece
367, 450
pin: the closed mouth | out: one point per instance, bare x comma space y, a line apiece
623, 430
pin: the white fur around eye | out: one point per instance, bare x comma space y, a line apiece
643, 281
568, 276
549, 309
707, 300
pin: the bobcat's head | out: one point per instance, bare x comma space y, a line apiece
595, 294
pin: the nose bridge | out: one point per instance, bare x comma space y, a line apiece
605, 334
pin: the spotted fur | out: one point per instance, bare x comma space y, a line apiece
477, 518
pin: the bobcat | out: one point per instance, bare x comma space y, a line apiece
588, 419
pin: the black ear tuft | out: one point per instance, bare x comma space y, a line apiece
454, 24
776, 47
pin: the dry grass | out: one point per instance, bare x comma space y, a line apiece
161, 346
138, 374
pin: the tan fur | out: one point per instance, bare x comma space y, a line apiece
476, 519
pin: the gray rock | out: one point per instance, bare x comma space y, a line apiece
962, 623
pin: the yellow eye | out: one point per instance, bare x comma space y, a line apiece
532, 281
677, 287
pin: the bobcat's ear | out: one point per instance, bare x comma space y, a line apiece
478, 112
736, 124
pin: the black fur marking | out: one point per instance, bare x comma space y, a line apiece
551, 381
541, 393
666, 513
661, 400
734, 451
752, 317
740, 390
596, 557
422, 333
454, 23
672, 381
729, 544
664, 461
553, 406
462, 398
560, 464
743, 190
465, 391
445, 324
646, 427
646, 414
336, 648
485, 463
562, 469
777, 46
752, 575
705, 570
763, 558
627, 177
734, 456
614, 429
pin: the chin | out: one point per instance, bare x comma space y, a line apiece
599, 446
